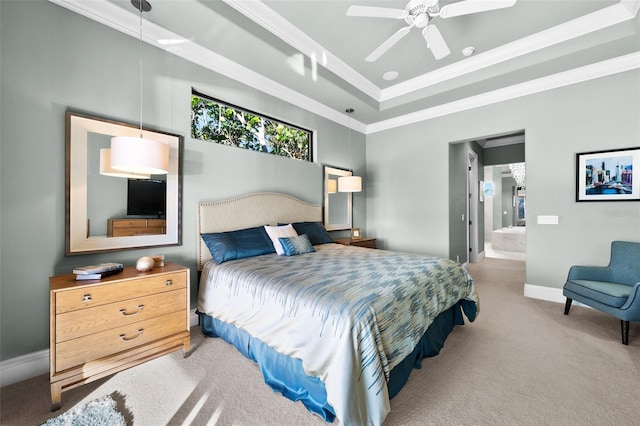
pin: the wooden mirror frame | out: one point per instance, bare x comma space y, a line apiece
336, 171
78, 126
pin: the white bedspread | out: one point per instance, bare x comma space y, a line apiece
350, 314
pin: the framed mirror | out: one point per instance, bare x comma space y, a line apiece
337, 205
103, 212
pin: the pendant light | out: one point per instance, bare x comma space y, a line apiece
137, 154
107, 170
349, 183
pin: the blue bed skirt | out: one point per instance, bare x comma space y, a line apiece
286, 375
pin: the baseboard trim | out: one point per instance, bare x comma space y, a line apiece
27, 366
544, 293
550, 294
24, 367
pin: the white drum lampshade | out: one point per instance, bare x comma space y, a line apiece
107, 170
139, 155
350, 184
332, 185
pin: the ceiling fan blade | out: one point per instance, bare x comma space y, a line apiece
376, 12
467, 7
373, 56
435, 41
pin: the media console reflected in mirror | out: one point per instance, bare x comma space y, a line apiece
104, 212
337, 205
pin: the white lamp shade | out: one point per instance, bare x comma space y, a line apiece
350, 184
332, 186
139, 155
107, 170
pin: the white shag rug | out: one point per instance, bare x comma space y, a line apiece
99, 412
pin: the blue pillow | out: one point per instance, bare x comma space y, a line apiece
225, 246
315, 231
296, 245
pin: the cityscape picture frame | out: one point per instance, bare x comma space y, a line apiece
608, 175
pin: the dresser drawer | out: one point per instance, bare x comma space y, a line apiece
105, 292
75, 352
129, 232
129, 223
71, 325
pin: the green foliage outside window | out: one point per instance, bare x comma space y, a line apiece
216, 122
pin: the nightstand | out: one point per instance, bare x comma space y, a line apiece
360, 242
101, 327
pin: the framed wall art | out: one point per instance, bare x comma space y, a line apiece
608, 175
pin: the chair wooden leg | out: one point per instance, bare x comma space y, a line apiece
624, 326
567, 306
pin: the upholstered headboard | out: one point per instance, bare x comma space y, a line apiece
265, 208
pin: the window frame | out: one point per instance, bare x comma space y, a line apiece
310, 133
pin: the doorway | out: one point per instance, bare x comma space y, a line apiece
505, 211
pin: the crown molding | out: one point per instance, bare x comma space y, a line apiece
566, 78
273, 22
591, 22
126, 22
267, 18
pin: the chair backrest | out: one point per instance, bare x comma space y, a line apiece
625, 262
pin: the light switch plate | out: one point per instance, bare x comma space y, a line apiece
547, 220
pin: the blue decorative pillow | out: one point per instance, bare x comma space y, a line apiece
315, 231
296, 245
225, 246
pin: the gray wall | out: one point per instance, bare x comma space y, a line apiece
408, 190
54, 59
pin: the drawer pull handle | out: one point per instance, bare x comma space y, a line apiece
168, 282
124, 338
86, 298
124, 313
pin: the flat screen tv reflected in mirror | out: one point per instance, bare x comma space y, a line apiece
146, 197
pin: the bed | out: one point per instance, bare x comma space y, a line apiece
337, 327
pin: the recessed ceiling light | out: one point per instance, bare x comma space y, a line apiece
391, 75
468, 51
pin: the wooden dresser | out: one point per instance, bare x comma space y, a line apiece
130, 227
360, 242
100, 327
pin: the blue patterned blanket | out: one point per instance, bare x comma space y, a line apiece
349, 314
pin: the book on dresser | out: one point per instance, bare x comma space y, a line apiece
98, 276
99, 269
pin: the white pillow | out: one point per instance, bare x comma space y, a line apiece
276, 232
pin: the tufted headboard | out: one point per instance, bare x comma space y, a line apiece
264, 208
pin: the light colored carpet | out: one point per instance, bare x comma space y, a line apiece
522, 362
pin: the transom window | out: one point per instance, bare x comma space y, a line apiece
216, 121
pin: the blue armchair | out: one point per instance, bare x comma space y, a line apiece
614, 289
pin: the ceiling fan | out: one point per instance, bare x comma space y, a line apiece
419, 14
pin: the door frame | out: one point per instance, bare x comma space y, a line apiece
472, 207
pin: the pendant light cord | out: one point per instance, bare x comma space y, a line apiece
140, 66
349, 111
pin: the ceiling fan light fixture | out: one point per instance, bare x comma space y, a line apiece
419, 14
422, 20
